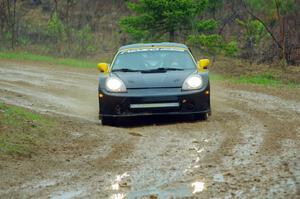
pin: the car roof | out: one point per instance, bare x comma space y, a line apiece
147, 45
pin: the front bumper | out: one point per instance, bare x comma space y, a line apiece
164, 101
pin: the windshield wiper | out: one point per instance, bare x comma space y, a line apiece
155, 70
125, 70
162, 69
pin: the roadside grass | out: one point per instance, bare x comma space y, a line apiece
22, 131
26, 56
265, 79
261, 79
239, 71
217, 77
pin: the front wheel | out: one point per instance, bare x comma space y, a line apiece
107, 121
201, 116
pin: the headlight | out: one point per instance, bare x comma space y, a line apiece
114, 84
193, 82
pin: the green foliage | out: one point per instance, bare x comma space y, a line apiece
213, 44
129, 24
253, 34
69, 41
86, 40
231, 49
269, 6
210, 44
214, 5
207, 25
155, 19
55, 29
275, 15
287, 6
253, 30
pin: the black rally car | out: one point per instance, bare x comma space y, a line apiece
153, 79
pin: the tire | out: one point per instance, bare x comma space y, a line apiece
107, 121
201, 116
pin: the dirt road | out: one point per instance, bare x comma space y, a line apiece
249, 148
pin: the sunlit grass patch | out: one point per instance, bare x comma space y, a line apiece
262, 79
216, 77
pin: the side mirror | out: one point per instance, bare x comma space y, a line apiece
103, 67
203, 64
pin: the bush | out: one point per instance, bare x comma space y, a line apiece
213, 44
56, 31
85, 40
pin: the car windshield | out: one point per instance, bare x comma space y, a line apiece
153, 59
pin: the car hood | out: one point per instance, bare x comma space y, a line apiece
168, 79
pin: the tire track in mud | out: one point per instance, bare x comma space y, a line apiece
235, 150
270, 152
246, 159
165, 155
55, 90
44, 104
252, 131
178, 151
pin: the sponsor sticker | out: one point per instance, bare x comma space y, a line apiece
151, 50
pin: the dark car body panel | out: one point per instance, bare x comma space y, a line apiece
118, 105
168, 79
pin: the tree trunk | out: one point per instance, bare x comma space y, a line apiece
55, 9
13, 24
171, 35
285, 51
68, 31
8, 9
281, 20
55, 5
2, 17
